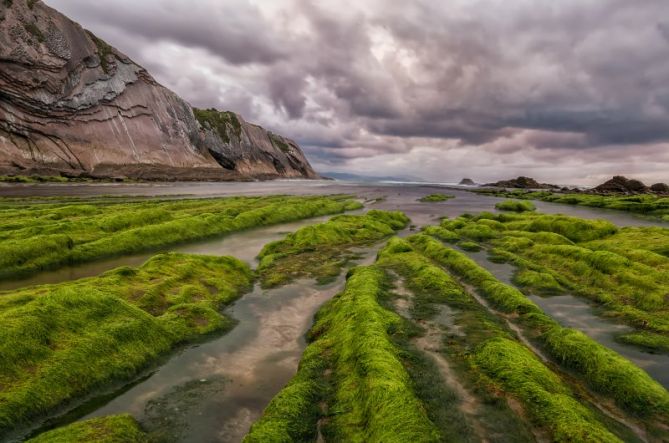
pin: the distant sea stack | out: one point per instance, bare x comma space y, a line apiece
467, 182
71, 104
521, 183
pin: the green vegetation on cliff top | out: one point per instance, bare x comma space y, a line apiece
220, 121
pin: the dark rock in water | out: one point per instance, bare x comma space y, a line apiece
621, 185
71, 103
522, 183
467, 182
660, 188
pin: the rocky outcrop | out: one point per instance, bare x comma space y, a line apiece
249, 149
659, 188
467, 182
521, 183
72, 104
621, 185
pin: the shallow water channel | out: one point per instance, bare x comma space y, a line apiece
215, 391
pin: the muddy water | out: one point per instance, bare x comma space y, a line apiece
577, 313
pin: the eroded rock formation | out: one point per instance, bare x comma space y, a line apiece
621, 185
521, 183
660, 188
72, 104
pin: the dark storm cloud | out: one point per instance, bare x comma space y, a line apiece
380, 78
233, 30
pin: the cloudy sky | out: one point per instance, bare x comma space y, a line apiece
567, 91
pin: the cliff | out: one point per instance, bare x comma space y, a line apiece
71, 104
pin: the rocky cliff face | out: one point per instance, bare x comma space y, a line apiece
249, 149
72, 104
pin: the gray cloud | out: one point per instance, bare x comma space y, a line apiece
522, 83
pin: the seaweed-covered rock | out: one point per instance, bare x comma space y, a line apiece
660, 188
621, 185
522, 182
72, 103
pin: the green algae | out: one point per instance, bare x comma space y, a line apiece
469, 246
113, 429
649, 340
515, 206
520, 372
603, 370
490, 357
647, 204
321, 250
353, 366
434, 198
39, 237
61, 342
624, 270
360, 380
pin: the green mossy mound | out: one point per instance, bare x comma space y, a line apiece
604, 370
114, 429
321, 250
61, 342
515, 206
38, 237
648, 204
353, 366
433, 198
